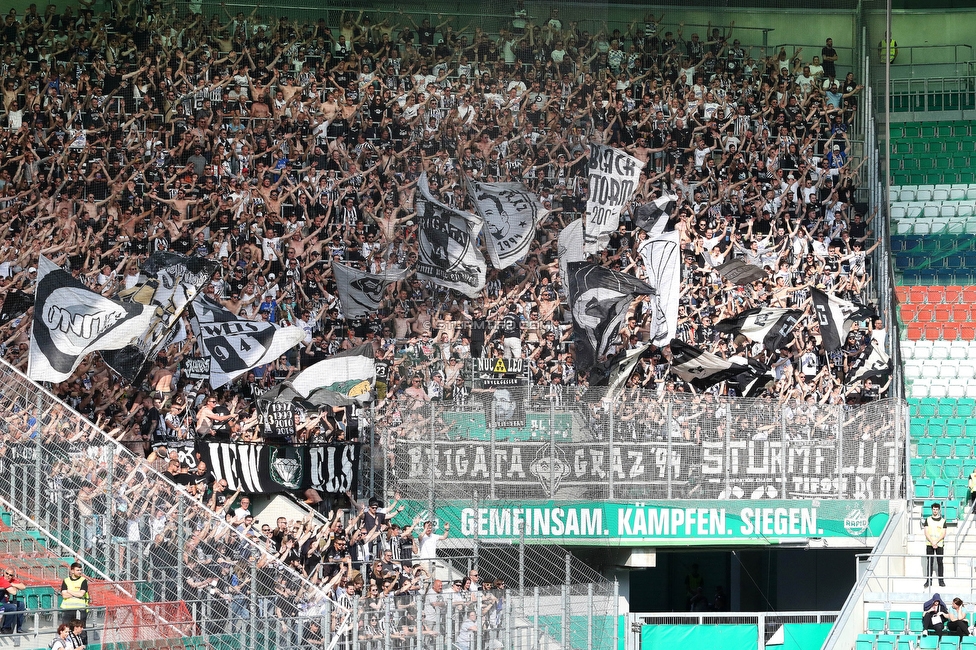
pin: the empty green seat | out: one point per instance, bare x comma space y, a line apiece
897, 621
864, 642
923, 488
876, 621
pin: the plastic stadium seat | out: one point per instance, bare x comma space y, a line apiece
935, 295
923, 488
964, 407
940, 349
960, 489
925, 314
960, 313
942, 193
923, 349
909, 312
946, 408
959, 351
938, 388
967, 332
927, 408
950, 332
902, 293
918, 295
932, 332
957, 387
952, 468
864, 642
876, 622
897, 622
940, 489
952, 293
949, 642
920, 388
957, 194
914, 331
924, 194
885, 642
915, 624
942, 314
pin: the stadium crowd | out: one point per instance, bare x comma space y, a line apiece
275, 146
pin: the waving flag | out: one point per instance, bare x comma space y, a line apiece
702, 369
613, 177
771, 326
71, 321
449, 252
653, 216
360, 292
510, 212
836, 316
169, 282
235, 345
599, 299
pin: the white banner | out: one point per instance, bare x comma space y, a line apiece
71, 321
613, 180
662, 260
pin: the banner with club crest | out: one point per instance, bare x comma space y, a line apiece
266, 469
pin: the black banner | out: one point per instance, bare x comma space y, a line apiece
195, 368
259, 468
277, 419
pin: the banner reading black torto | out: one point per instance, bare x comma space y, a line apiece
259, 468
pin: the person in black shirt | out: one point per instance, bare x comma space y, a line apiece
477, 337
511, 331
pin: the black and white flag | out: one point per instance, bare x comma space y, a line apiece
741, 273
599, 299
235, 345
570, 248
169, 282
871, 363
771, 326
661, 255
616, 371
511, 213
613, 177
277, 419
703, 369
449, 253
360, 292
267, 469
653, 217
71, 321
835, 316
15, 304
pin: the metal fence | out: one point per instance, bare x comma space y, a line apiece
559, 443
766, 622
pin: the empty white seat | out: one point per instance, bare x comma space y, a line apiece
939, 388
956, 390
957, 194
922, 228
905, 226
939, 224
971, 193
966, 371
947, 209
893, 194
898, 212
913, 369
920, 388
956, 226
923, 349
931, 209
914, 209
940, 194
934, 371
958, 351
924, 194
965, 208
906, 194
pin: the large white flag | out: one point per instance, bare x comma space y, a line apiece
511, 213
71, 321
361, 292
612, 182
662, 260
346, 378
449, 252
235, 345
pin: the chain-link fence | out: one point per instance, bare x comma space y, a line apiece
571, 444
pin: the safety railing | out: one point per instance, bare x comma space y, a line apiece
766, 622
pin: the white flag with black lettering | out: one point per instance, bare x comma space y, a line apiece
771, 326
511, 213
360, 292
449, 253
71, 321
236, 345
613, 176
835, 316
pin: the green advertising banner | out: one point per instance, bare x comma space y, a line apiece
659, 523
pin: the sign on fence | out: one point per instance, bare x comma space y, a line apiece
661, 523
